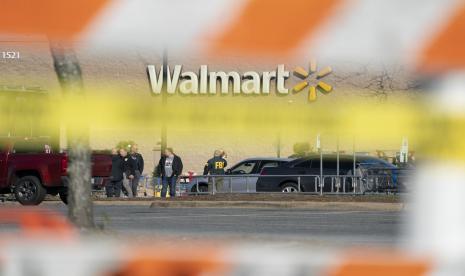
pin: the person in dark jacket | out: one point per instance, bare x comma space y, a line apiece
113, 188
138, 160
169, 168
215, 166
129, 170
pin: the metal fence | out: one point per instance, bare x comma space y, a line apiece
367, 181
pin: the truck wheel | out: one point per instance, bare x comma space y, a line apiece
64, 196
29, 191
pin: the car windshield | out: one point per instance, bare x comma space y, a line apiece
244, 168
29, 147
267, 164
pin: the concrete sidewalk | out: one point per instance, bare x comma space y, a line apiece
280, 197
292, 201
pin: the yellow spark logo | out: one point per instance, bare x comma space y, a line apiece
303, 74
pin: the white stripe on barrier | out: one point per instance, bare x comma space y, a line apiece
383, 32
157, 24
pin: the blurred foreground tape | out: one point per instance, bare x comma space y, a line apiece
433, 132
442, 137
55, 18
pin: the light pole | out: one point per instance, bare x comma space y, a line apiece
164, 99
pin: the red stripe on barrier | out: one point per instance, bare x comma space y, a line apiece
273, 26
446, 50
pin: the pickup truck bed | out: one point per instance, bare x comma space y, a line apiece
30, 170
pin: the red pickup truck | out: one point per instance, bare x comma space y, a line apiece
30, 169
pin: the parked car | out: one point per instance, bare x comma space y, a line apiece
285, 178
241, 178
30, 169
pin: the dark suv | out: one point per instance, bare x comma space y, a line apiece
308, 171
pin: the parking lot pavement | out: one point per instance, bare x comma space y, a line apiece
346, 227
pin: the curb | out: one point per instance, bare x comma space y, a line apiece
356, 206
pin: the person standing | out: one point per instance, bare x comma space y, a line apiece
215, 166
113, 189
169, 168
138, 161
128, 171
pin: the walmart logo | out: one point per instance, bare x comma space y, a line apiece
205, 81
305, 76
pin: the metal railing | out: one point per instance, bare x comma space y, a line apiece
248, 187
365, 181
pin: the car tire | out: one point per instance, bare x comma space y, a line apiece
203, 188
370, 185
29, 191
289, 188
64, 196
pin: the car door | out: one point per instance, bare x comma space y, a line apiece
346, 167
306, 175
3, 165
330, 175
242, 177
253, 177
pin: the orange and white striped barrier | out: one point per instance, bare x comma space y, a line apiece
52, 254
427, 35
423, 34
34, 223
109, 257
